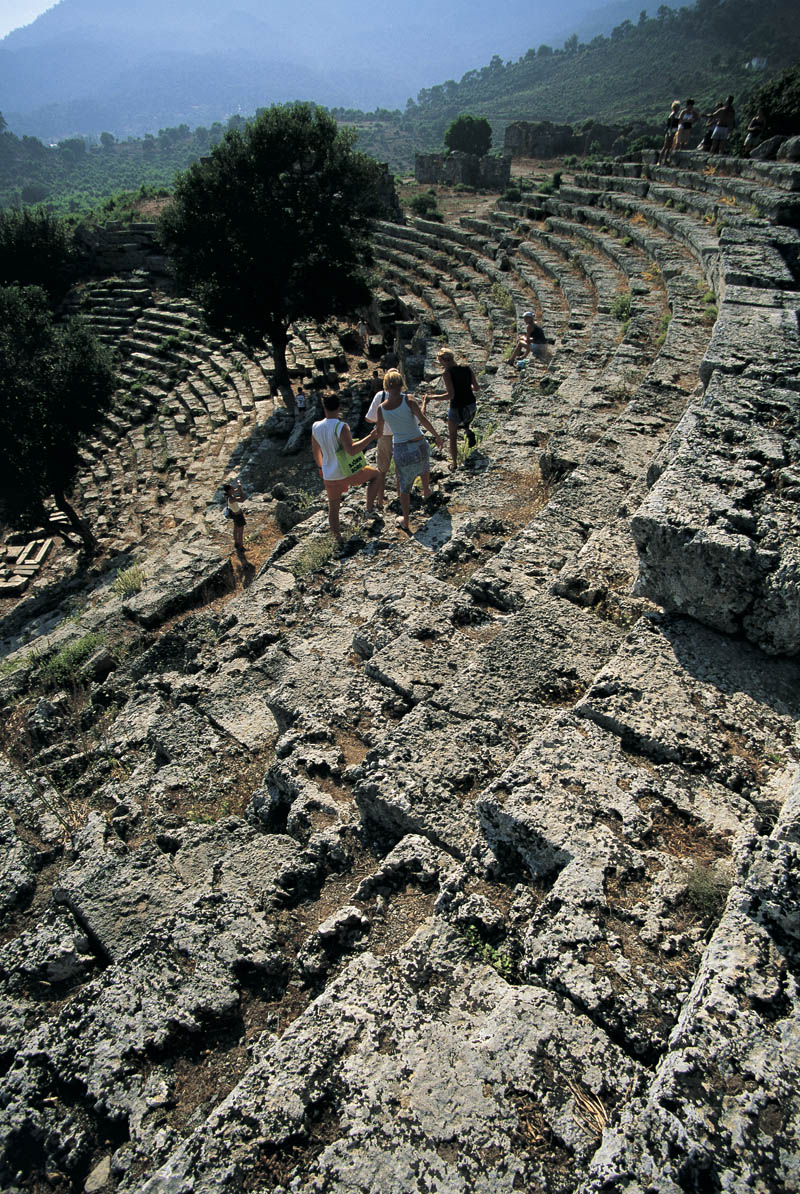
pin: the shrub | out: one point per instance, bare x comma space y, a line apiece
621, 307
58, 670
128, 581
512, 194
315, 555
501, 297
706, 891
424, 205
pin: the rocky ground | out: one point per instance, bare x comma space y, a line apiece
467, 862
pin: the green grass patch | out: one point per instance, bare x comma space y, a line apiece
315, 555
502, 298
621, 307
58, 670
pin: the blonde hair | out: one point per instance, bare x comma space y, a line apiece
446, 357
392, 379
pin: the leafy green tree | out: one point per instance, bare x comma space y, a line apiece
36, 249
469, 134
274, 225
55, 382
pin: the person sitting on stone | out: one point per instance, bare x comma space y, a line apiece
401, 415
532, 342
724, 119
755, 131
329, 436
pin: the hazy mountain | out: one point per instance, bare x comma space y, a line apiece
132, 67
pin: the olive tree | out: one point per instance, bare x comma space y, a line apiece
274, 225
55, 382
469, 134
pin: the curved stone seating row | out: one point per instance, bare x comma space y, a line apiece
736, 540
186, 402
554, 769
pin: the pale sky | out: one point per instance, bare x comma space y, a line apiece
14, 13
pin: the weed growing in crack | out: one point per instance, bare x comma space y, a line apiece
58, 670
315, 555
706, 891
129, 581
465, 450
497, 957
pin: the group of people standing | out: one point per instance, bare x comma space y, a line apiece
720, 123
399, 421
398, 425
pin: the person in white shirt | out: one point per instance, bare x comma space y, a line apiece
331, 436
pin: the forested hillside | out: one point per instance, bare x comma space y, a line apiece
710, 50
74, 177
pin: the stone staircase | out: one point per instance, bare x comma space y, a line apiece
512, 903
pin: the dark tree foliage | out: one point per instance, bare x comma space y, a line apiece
55, 382
780, 99
274, 226
36, 249
469, 134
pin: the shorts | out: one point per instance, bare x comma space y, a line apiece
383, 459
239, 520
720, 132
462, 416
411, 460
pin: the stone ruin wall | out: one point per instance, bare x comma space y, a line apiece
469, 861
469, 169
544, 139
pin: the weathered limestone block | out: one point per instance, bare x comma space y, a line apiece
34, 808
424, 777
717, 534
120, 895
612, 845
759, 342
186, 572
17, 871
235, 702
678, 692
56, 951
418, 1069
723, 1110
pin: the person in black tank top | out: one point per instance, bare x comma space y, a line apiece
460, 389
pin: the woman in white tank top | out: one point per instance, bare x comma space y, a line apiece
402, 416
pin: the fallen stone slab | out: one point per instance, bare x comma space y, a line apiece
717, 534
119, 895
722, 1111
421, 1068
425, 775
677, 692
615, 849
178, 580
